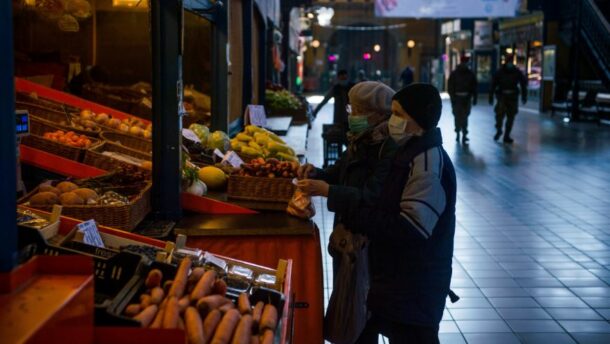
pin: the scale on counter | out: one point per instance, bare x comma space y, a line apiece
22, 129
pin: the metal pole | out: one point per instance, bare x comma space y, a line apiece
167, 47
247, 23
8, 140
576, 30
220, 75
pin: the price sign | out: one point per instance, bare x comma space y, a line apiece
233, 159
218, 153
91, 234
189, 134
255, 115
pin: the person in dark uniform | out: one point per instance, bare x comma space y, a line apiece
407, 76
506, 84
462, 88
338, 91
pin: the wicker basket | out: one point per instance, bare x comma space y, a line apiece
60, 119
129, 141
35, 140
125, 217
260, 189
94, 156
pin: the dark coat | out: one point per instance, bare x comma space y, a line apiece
340, 93
462, 83
506, 83
352, 179
411, 256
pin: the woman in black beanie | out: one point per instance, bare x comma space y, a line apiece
411, 227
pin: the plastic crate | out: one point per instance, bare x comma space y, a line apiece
334, 139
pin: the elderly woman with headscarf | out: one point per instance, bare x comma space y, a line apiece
369, 110
348, 184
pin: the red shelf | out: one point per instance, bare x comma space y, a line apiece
22, 85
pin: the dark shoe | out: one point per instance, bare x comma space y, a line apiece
507, 139
465, 139
498, 134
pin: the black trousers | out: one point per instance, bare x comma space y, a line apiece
397, 333
461, 109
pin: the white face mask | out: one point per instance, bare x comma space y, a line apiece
397, 126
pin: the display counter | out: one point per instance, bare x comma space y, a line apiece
263, 239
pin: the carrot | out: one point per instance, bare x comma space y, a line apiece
206, 304
268, 318
158, 322
257, 312
225, 329
226, 307
196, 274
167, 285
243, 304
145, 301
204, 286
179, 284
267, 337
194, 326
156, 295
170, 318
243, 331
183, 303
153, 279
133, 309
210, 323
147, 315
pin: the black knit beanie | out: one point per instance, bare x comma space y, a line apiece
422, 102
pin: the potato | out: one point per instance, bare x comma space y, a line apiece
71, 198
49, 188
86, 194
43, 199
66, 187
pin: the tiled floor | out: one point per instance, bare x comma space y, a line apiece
532, 245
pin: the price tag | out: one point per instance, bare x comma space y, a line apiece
91, 236
189, 134
233, 159
212, 259
255, 115
218, 153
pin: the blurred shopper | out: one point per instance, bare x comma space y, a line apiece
406, 76
343, 185
339, 91
462, 88
411, 227
94, 74
362, 76
505, 85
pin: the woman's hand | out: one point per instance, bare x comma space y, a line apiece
305, 171
313, 187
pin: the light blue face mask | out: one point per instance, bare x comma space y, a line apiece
358, 124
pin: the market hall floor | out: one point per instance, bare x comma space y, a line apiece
532, 243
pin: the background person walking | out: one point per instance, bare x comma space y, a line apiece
462, 88
506, 84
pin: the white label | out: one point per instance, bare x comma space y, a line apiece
218, 153
233, 159
91, 234
210, 258
189, 134
256, 115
